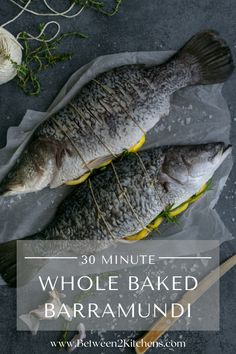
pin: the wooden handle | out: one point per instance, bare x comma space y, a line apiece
162, 325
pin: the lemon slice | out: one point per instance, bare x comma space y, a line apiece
139, 236
138, 146
78, 181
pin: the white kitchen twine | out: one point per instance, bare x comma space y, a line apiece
10, 48
53, 11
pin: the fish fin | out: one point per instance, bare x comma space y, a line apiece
8, 266
89, 166
60, 149
99, 162
209, 57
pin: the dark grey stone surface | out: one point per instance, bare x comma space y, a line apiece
140, 25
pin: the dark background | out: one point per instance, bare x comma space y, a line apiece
140, 25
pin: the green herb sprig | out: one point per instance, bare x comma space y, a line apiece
209, 186
64, 335
39, 58
169, 219
100, 6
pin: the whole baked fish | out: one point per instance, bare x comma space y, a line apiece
111, 114
128, 198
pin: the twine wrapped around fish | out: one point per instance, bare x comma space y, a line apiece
10, 54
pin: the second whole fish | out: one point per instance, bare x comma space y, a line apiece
112, 114
126, 198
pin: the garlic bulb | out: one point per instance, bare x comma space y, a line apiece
10, 50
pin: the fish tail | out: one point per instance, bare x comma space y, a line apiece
209, 57
8, 266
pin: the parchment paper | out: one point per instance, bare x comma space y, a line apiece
198, 115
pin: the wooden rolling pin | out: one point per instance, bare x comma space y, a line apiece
162, 325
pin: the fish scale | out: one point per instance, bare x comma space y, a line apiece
112, 113
122, 204
102, 187
113, 132
98, 209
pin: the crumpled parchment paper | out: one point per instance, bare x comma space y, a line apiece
198, 115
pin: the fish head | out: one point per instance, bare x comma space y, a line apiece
32, 172
193, 165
